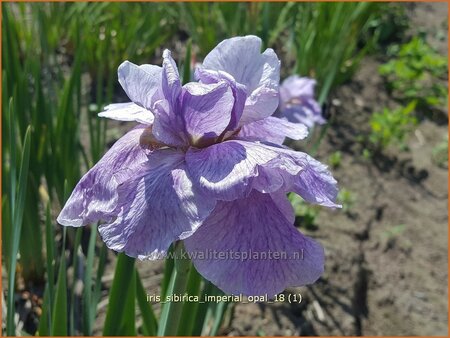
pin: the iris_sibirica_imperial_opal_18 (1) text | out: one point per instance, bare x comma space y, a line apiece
205, 164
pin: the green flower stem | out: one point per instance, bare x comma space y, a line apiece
171, 311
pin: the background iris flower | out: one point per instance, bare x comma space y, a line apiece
206, 165
297, 102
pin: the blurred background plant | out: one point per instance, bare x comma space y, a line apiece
59, 66
392, 126
415, 71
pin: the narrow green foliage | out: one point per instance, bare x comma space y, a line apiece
76, 245
190, 309
49, 240
19, 193
121, 300
59, 317
150, 324
98, 282
87, 291
45, 320
202, 310
171, 311
168, 269
187, 64
326, 38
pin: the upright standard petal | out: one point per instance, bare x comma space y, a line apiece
171, 83
273, 129
249, 246
238, 89
127, 112
169, 126
157, 206
95, 196
206, 110
241, 57
141, 83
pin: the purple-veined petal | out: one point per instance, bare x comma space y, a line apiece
294, 171
315, 183
273, 129
127, 112
206, 109
168, 127
241, 57
238, 89
262, 103
225, 170
231, 169
95, 196
248, 246
171, 83
157, 206
203, 113
141, 83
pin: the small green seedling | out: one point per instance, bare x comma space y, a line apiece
392, 126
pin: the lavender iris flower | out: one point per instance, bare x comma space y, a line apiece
297, 102
206, 165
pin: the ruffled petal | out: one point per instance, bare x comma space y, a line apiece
156, 207
273, 129
238, 89
171, 83
262, 103
141, 83
232, 169
294, 171
241, 57
248, 246
127, 112
225, 170
95, 196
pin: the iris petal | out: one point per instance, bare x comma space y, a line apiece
127, 112
241, 58
141, 83
254, 227
158, 206
273, 129
95, 196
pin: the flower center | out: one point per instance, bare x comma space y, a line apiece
148, 141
